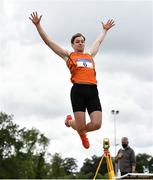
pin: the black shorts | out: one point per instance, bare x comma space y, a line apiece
85, 96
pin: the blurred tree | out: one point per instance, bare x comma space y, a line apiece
90, 165
21, 151
151, 165
144, 160
57, 169
70, 166
63, 168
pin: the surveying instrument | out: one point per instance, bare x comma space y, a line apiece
108, 158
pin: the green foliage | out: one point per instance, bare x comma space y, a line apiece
70, 165
21, 151
90, 165
150, 164
81, 175
63, 168
144, 160
57, 170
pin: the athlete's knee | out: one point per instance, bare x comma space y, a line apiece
81, 127
96, 125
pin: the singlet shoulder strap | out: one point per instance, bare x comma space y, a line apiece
71, 62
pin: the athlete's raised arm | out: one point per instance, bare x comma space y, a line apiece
48, 41
95, 47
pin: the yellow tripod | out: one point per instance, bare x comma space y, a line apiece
109, 163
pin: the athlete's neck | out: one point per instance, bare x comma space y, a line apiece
81, 52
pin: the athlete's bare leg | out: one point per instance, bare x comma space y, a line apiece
79, 124
96, 121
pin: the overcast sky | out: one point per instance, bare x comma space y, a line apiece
35, 83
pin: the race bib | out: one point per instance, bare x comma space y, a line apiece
84, 63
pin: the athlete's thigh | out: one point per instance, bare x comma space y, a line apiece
96, 117
80, 119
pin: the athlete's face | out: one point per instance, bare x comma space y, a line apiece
78, 44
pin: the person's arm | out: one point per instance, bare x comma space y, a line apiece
95, 47
133, 161
133, 168
48, 41
119, 155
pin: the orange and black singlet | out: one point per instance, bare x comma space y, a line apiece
82, 68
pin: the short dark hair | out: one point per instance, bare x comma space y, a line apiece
125, 139
77, 35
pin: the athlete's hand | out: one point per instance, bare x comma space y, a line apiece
108, 25
35, 18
